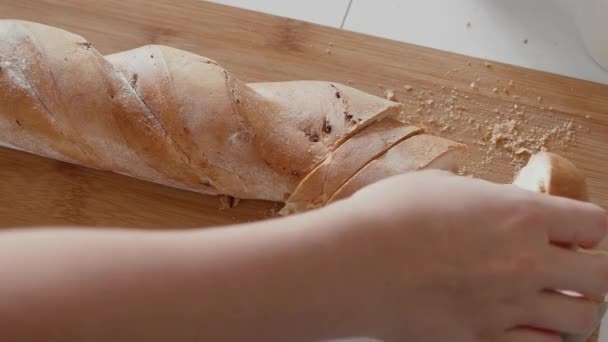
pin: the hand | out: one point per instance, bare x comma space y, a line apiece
455, 259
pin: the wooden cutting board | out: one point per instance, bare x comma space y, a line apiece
259, 47
482, 98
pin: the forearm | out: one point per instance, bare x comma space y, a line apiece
278, 280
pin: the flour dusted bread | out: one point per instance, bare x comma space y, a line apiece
179, 119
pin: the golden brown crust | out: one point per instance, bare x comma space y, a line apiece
169, 116
554, 175
416, 153
320, 184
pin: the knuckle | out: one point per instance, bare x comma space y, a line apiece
526, 211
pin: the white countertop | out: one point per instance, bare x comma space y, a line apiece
536, 34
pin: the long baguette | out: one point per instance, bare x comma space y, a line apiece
179, 119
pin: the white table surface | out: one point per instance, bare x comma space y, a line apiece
498, 29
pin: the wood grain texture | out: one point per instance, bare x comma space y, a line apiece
258, 47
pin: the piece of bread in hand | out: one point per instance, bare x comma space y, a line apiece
551, 174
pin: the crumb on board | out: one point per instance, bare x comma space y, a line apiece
228, 202
390, 95
487, 64
502, 133
408, 87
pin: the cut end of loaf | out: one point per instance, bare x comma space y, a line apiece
314, 191
551, 174
420, 152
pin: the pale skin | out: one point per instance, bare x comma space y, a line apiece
420, 257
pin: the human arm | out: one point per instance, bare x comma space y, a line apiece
425, 256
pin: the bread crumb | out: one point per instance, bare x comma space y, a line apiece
351, 82
408, 87
473, 85
539, 99
495, 90
523, 150
511, 83
328, 51
487, 64
228, 202
588, 116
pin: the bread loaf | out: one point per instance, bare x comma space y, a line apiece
179, 119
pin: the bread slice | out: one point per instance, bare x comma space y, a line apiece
346, 161
552, 174
416, 153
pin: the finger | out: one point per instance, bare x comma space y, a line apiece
577, 271
557, 312
529, 335
571, 222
